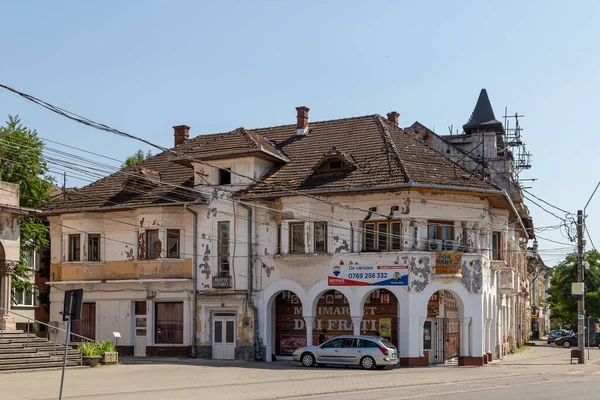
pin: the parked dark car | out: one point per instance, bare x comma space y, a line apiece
568, 341
558, 333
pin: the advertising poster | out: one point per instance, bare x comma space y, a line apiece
385, 327
368, 275
447, 263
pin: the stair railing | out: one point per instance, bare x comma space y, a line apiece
52, 328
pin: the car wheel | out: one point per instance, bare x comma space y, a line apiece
566, 344
368, 363
308, 360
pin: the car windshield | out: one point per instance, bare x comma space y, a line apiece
387, 343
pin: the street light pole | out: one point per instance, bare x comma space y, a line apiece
581, 299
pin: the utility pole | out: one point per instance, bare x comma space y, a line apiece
581, 299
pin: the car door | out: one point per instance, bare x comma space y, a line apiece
329, 352
350, 352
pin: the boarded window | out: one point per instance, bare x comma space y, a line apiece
223, 246
74, 247
297, 238
173, 240
93, 247
169, 323
320, 237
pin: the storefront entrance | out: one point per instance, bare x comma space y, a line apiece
441, 330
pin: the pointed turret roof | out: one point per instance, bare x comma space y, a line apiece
483, 116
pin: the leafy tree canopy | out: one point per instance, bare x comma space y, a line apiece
136, 158
563, 305
22, 162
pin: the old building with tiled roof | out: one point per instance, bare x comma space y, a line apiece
248, 244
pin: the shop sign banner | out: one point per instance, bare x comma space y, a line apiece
368, 275
447, 263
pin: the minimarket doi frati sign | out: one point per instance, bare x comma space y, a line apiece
368, 275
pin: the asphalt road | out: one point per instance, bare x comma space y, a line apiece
541, 372
579, 387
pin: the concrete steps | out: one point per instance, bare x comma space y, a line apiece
20, 351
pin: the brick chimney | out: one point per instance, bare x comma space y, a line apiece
181, 133
393, 117
302, 120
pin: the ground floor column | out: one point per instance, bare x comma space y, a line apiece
7, 322
412, 317
356, 321
310, 325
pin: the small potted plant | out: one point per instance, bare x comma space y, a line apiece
108, 352
90, 353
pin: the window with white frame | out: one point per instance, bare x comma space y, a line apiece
173, 243
320, 237
297, 238
152, 250
93, 250
223, 248
74, 247
24, 299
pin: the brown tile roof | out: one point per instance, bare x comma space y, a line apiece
382, 156
169, 183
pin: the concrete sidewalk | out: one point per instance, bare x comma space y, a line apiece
191, 379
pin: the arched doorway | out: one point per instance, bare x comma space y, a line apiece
441, 330
380, 315
288, 326
332, 316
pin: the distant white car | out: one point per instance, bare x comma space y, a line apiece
368, 352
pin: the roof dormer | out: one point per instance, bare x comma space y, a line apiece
334, 160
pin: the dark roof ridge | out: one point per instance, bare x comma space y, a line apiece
389, 143
314, 122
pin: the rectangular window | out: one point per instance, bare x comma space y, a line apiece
382, 236
369, 238
223, 247
74, 247
93, 247
22, 299
169, 323
86, 326
297, 238
152, 244
225, 176
496, 254
396, 236
320, 237
278, 239
173, 240
441, 230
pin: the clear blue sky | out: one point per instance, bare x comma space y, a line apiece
143, 67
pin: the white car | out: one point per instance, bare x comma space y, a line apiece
367, 351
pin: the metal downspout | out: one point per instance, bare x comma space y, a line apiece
194, 280
251, 281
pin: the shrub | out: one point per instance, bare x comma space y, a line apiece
88, 349
106, 346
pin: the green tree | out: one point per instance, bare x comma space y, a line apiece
136, 158
563, 305
22, 162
